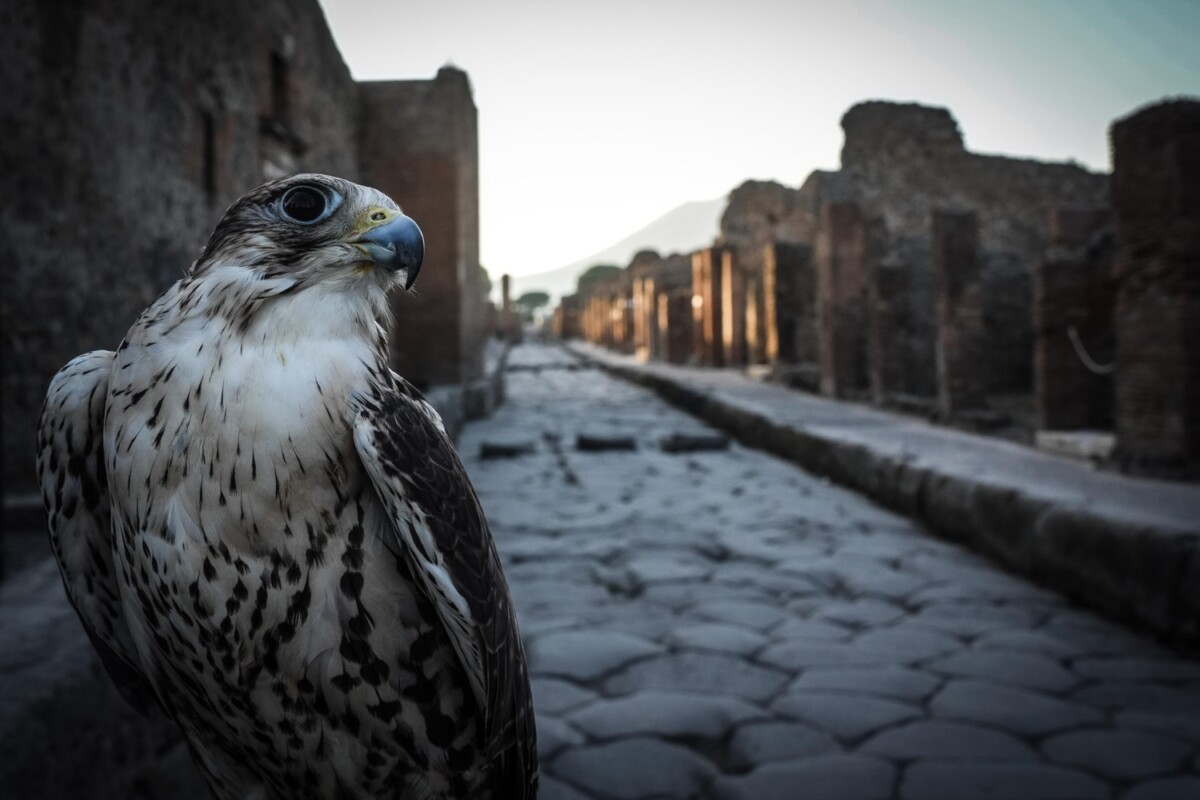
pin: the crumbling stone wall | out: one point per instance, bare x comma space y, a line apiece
1156, 216
644, 303
907, 161
419, 144
673, 291
900, 164
128, 131
130, 127
707, 308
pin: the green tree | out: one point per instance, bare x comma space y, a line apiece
529, 302
597, 272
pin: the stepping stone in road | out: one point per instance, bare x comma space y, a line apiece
489, 450
595, 443
693, 443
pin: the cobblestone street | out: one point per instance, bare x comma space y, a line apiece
718, 623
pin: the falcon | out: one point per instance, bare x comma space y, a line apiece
267, 533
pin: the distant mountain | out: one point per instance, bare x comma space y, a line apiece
681, 230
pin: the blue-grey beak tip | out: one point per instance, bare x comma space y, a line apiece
397, 245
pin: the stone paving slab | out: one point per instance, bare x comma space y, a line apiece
722, 624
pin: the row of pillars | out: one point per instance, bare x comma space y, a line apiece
1115, 305
844, 307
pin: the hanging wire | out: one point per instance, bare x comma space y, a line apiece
1088, 361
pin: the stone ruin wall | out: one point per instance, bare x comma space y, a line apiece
127, 135
131, 127
907, 161
900, 164
1156, 277
974, 287
418, 143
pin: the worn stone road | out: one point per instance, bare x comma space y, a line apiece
721, 624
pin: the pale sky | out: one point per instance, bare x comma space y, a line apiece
595, 118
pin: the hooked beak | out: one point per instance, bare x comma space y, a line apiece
396, 245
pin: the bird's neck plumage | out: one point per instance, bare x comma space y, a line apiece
287, 310
249, 362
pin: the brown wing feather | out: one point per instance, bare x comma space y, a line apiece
436, 514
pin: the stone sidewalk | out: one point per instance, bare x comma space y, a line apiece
1128, 545
721, 624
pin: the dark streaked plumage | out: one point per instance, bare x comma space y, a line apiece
267, 533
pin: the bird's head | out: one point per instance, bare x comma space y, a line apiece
317, 229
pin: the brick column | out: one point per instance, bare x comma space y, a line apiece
706, 311
644, 311
1156, 222
623, 318
887, 329
841, 300
961, 350
755, 346
1072, 289
419, 145
788, 303
733, 311
674, 326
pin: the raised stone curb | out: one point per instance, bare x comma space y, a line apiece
1139, 566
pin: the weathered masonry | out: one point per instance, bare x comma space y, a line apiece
131, 126
983, 290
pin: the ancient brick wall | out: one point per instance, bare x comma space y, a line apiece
790, 286
674, 343
841, 300
672, 340
905, 161
707, 313
961, 344
900, 163
419, 144
644, 306
1156, 219
566, 324
733, 310
888, 316
757, 214
129, 128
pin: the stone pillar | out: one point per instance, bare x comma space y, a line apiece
644, 310
706, 307
1156, 225
621, 319
1072, 290
840, 300
887, 329
623, 294
888, 326
509, 326
790, 303
567, 318
419, 145
755, 346
779, 324
961, 348
733, 311
674, 326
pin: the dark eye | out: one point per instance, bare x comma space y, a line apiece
304, 204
